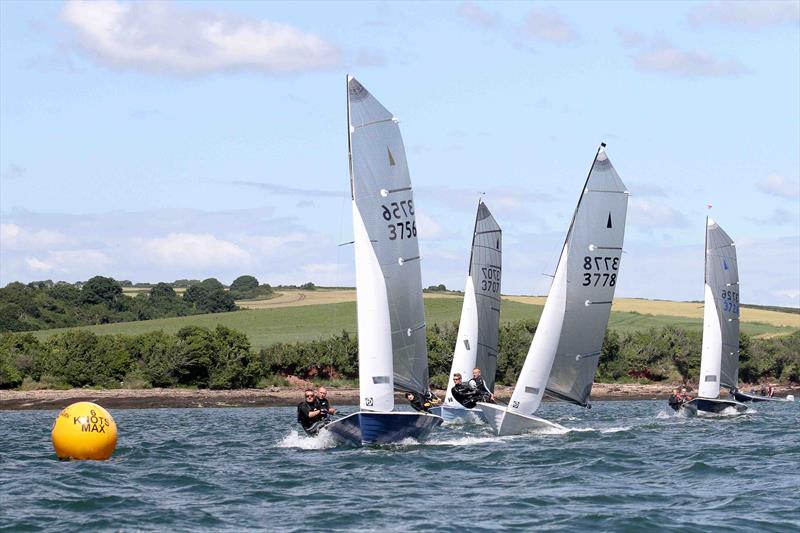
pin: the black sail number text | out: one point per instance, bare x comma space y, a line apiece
491, 279
601, 271
400, 214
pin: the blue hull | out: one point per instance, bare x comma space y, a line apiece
381, 428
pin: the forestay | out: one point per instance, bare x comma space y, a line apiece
391, 323
720, 359
476, 344
593, 252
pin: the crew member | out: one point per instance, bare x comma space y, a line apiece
685, 395
463, 394
309, 415
771, 390
675, 399
323, 403
479, 385
417, 403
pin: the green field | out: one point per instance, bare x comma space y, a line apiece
303, 323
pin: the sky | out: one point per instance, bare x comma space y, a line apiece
152, 141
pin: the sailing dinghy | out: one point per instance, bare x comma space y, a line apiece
565, 351
719, 362
479, 328
742, 396
392, 348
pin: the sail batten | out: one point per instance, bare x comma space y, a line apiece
389, 293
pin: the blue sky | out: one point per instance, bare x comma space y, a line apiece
156, 141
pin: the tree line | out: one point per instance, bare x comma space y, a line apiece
100, 300
223, 358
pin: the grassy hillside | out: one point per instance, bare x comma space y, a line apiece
300, 320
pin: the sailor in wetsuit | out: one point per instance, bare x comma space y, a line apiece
323, 403
463, 394
675, 399
479, 385
418, 403
309, 414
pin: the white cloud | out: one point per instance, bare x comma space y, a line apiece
478, 16
171, 38
791, 294
38, 265
664, 58
649, 214
427, 228
779, 185
630, 38
751, 15
15, 237
13, 172
548, 25
75, 263
194, 250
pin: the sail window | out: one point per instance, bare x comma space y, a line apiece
381, 379
711, 378
466, 344
532, 390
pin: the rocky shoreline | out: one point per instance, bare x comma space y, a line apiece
273, 397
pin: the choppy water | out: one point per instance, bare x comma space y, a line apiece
624, 466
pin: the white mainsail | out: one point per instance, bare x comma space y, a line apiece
719, 364
391, 322
476, 344
566, 347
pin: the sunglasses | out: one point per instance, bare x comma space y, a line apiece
309, 395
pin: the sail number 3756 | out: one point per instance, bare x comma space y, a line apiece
606, 268
400, 212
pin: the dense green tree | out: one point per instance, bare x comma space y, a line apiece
210, 296
244, 286
101, 290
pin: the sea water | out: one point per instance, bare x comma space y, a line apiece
621, 466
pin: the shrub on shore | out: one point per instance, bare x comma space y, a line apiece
223, 358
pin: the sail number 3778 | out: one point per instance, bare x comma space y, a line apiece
606, 271
403, 226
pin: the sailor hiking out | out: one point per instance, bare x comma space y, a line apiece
311, 416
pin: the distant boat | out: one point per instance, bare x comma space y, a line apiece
479, 328
742, 396
392, 348
719, 363
565, 351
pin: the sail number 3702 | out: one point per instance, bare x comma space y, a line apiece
606, 268
400, 211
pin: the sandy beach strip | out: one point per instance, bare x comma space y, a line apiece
273, 397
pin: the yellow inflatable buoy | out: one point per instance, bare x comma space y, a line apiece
84, 430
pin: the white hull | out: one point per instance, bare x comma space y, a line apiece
506, 422
453, 415
713, 407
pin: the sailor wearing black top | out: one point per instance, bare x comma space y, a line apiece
463, 394
479, 385
309, 415
322, 402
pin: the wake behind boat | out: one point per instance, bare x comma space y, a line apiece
719, 363
392, 349
479, 328
565, 351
